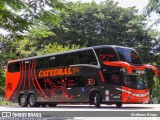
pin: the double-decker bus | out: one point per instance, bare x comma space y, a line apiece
96, 75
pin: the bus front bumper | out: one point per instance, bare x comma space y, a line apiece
134, 96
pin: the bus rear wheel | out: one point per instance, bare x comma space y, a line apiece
23, 101
32, 101
97, 100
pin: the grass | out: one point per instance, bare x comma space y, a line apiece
6, 103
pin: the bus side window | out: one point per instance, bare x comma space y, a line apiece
86, 57
41, 63
48, 62
66, 59
14, 67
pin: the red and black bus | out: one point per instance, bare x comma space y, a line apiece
96, 75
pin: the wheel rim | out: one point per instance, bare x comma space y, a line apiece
32, 100
23, 100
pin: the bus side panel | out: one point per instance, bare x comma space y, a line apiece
12, 81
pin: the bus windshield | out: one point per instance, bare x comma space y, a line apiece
129, 55
136, 81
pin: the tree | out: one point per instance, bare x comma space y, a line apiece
154, 7
89, 24
19, 16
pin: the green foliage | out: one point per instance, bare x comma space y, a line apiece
8, 19
17, 16
156, 88
53, 48
26, 48
29, 48
88, 24
2, 79
40, 31
154, 7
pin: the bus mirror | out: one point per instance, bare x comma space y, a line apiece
153, 68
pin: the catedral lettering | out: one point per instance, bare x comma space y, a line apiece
107, 74
55, 72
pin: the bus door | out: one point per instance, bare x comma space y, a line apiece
113, 87
76, 88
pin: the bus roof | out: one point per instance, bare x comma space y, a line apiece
70, 51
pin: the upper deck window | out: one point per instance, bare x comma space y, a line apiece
129, 55
106, 54
86, 57
66, 59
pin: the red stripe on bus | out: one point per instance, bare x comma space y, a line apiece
33, 79
127, 66
120, 64
29, 77
21, 78
102, 78
24, 73
153, 68
37, 81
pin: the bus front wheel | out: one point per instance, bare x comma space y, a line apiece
32, 101
97, 100
23, 101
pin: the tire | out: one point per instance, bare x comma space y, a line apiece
52, 104
32, 101
23, 101
97, 100
119, 105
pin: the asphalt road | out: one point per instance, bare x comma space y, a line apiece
83, 107
85, 112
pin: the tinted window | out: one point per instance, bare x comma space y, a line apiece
14, 67
113, 78
106, 54
48, 62
79, 57
86, 57
128, 55
67, 59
